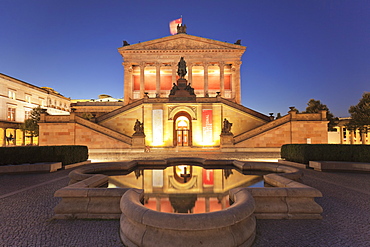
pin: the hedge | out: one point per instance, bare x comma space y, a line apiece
68, 154
303, 153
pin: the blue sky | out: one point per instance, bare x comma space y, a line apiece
296, 49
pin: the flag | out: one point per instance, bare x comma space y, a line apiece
173, 25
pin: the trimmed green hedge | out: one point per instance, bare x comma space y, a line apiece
303, 153
68, 154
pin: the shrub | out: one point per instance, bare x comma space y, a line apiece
303, 153
68, 154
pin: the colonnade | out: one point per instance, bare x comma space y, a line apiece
18, 137
353, 136
235, 77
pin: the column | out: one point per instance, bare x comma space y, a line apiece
174, 68
190, 73
222, 78
341, 135
142, 79
363, 137
4, 137
158, 79
223, 202
23, 138
352, 136
15, 137
236, 81
205, 66
158, 204
207, 204
127, 85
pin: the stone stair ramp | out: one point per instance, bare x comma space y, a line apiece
119, 110
261, 129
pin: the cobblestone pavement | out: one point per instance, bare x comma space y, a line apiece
27, 203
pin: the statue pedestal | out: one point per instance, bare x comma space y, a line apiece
182, 94
138, 140
226, 140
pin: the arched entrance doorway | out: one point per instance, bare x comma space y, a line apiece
182, 130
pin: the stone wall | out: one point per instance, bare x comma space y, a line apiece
76, 134
292, 128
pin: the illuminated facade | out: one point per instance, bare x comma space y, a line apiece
17, 99
343, 135
150, 73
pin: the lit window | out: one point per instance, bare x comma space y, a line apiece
28, 98
11, 94
27, 113
42, 102
11, 114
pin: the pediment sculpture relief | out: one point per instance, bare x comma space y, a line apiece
182, 44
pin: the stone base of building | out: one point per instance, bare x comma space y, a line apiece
227, 140
138, 141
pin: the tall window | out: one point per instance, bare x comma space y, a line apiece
28, 98
11, 114
11, 94
27, 113
42, 102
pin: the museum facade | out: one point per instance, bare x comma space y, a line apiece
180, 91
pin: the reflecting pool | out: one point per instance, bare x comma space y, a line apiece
186, 188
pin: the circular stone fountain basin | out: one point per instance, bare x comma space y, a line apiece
233, 226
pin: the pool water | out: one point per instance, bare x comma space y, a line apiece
186, 188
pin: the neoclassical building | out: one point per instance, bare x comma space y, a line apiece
17, 99
180, 91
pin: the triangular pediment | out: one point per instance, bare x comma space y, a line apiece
183, 42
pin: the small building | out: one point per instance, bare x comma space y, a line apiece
343, 135
17, 99
180, 91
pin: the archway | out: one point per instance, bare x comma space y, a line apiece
182, 130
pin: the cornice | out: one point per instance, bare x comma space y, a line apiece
9, 78
183, 42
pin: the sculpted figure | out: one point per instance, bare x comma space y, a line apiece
189, 89
174, 89
181, 70
139, 127
181, 28
226, 129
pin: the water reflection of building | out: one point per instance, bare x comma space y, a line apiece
169, 120
185, 188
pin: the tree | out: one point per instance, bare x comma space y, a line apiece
315, 106
30, 125
360, 115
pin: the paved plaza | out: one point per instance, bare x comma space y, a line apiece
27, 202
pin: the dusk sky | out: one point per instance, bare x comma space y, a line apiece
296, 49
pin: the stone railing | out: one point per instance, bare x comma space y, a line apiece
244, 109
56, 118
234, 226
104, 130
119, 110
97, 103
292, 116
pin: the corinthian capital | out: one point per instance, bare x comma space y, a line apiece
221, 64
127, 66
